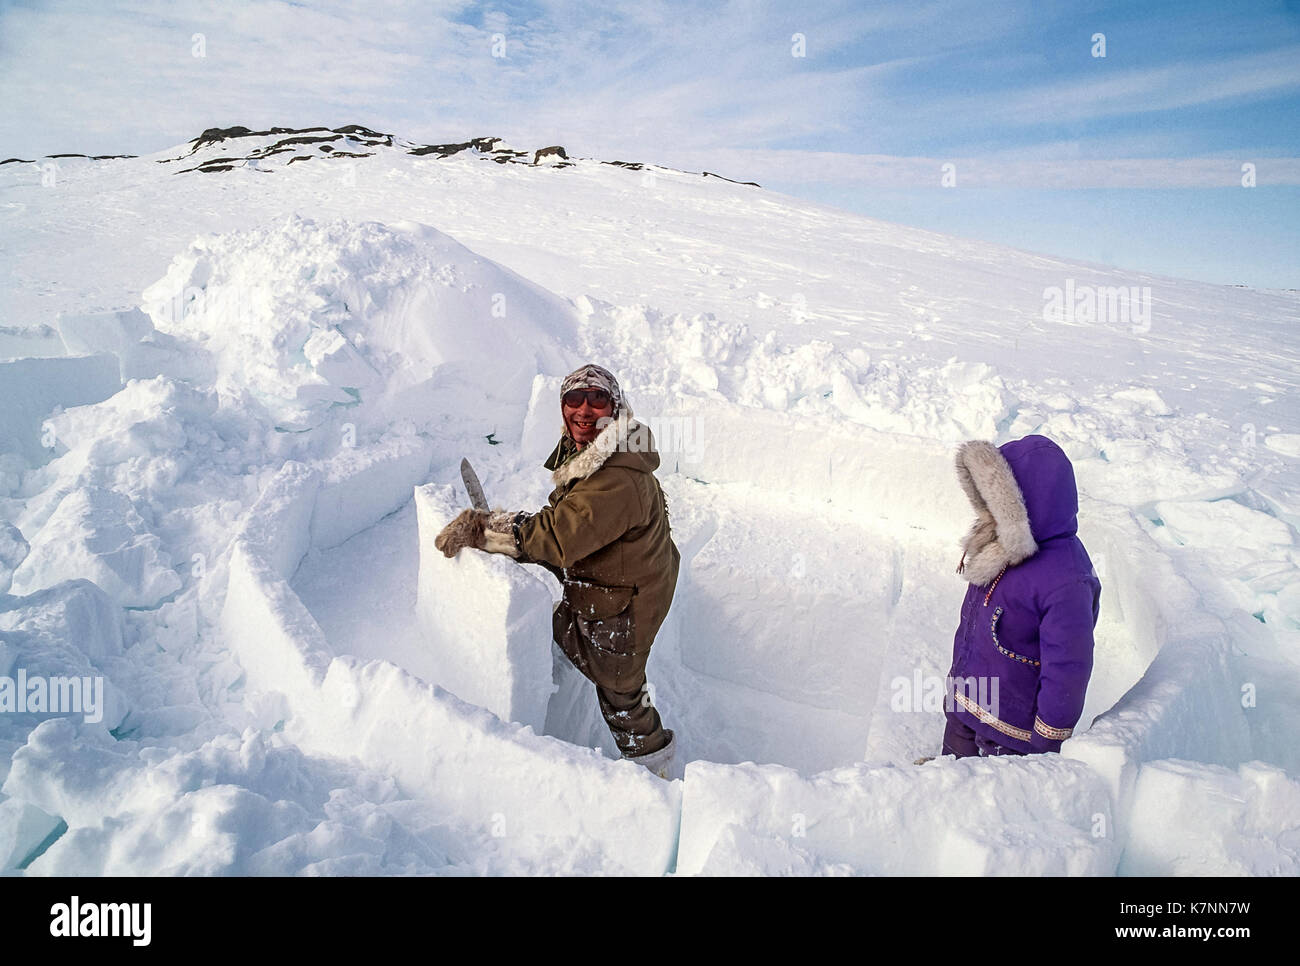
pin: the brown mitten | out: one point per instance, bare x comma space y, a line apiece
464, 531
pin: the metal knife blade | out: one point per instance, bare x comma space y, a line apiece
472, 486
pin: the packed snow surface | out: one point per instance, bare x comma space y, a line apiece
233, 403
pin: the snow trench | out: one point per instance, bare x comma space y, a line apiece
780, 666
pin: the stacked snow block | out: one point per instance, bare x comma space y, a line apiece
128, 334
977, 816
360, 485
487, 619
887, 475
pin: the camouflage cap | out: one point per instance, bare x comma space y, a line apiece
592, 376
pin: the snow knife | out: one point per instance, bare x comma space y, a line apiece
472, 486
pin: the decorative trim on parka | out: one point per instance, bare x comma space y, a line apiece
1050, 733
987, 718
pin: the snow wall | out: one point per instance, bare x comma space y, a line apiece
481, 755
460, 758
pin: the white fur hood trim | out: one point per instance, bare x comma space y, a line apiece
1001, 535
593, 456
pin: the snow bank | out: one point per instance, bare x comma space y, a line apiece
488, 621
236, 804
1043, 816
301, 317
703, 355
70, 638
59, 650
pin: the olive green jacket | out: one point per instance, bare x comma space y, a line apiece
605, 531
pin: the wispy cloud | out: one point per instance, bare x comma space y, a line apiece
1253, 76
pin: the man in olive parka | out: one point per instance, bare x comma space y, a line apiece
605, 535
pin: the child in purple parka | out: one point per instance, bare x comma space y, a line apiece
1022, 654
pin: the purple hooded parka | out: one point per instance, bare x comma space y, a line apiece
1022, 654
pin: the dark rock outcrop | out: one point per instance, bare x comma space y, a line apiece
554, 151
349, 141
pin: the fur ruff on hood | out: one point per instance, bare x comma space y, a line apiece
593, 456
1000, 536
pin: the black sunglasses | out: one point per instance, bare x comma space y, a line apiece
596, 398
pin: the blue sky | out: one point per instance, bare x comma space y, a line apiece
1131, 159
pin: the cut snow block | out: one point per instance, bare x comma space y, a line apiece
23, 828
30, 389
278, 642
488, 620
543, 422
120, 333
56, 643
906, 479
103, 331
1196, 819
279, 524
13, 551
807, 636
1040, 815
37, 341
360, 486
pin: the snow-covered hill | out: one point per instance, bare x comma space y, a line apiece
236, 394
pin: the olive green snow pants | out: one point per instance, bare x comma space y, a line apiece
604, 651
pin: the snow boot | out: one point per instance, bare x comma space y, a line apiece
659, 761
